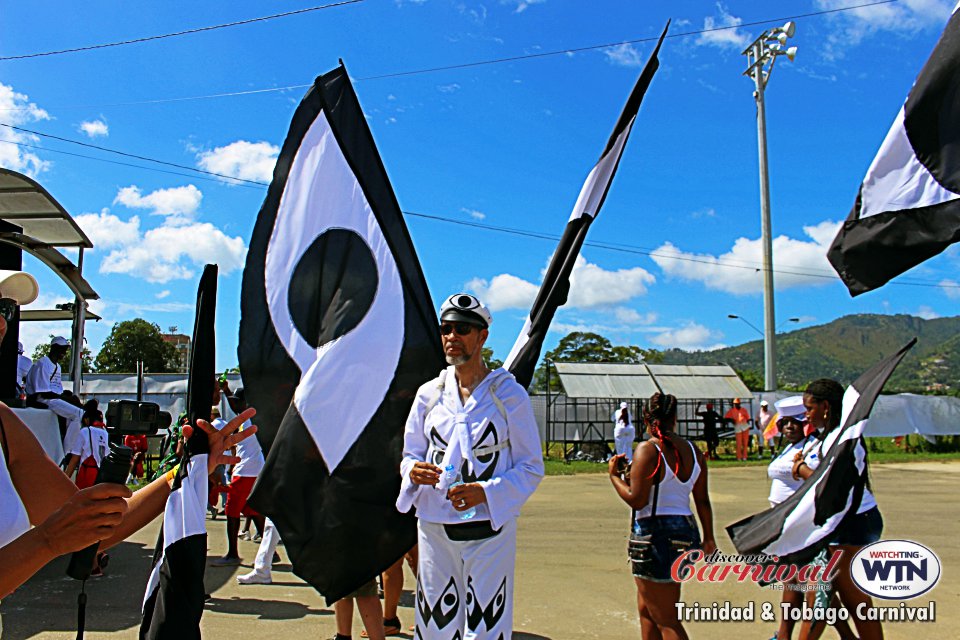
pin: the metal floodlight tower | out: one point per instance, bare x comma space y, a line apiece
761, 56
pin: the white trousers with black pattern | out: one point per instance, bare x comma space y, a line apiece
465, 589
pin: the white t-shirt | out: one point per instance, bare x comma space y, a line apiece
44, 376
23, 368
780, 470
91, 441
251, 456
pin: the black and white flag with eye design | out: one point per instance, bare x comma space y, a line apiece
523, 357
337, 332
799, 527
908, 207
173, 601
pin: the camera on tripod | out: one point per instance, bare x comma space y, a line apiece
132, 417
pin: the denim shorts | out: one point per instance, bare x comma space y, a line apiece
859, 530
656, 542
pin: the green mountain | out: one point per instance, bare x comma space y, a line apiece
846, 347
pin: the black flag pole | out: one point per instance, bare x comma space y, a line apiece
523, 357
173, 603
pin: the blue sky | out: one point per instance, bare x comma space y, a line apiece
505, 144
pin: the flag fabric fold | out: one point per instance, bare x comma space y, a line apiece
523, 357
337, 332
796, 529
173, 602
908, 207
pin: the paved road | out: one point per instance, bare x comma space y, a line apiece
572, 578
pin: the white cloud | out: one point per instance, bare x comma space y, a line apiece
593, 286
106, 230
903, 17
172, 252
590, 286
241, 159
623, 55
632, 316
16, 109
951, 288
521, 5
691, 336
94, 128
504, 291
727, 35
163, 294
926, 312
795, 262
179, 204
448, 88
142, 309
473, 213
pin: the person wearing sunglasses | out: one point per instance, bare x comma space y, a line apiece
476, 425
45, 389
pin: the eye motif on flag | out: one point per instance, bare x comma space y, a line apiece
334, 294
490, 615
444, 610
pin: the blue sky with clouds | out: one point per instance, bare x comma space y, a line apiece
504, 144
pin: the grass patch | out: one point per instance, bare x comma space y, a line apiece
881, 451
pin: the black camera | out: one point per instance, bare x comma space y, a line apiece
136, 418
113, 468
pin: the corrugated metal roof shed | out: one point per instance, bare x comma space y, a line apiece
695, 382
607, 380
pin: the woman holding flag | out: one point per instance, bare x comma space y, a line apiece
823, 401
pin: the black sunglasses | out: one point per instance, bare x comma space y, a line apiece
784, 421
462, 328
8, 308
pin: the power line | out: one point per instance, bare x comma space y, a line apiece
465, 65
124, 164
654, 254
132, 155
177, 33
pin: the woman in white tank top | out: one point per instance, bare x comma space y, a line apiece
34, 491
667, 470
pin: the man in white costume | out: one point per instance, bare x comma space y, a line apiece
45, 389
623, 432
481, 423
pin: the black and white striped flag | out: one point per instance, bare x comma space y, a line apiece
908, 207
173, 602
523, 357
797, 528
337, 332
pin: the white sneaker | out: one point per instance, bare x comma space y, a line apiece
254, 578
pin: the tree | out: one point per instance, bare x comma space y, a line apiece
66, 362
753, 379
133, 340
491, 362
581, 346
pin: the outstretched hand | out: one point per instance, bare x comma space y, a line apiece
89, 516
223, 440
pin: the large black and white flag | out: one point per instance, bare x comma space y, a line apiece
173, 602
908, 207
797, 528
523, 357
337, 332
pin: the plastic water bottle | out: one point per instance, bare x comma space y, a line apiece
455, 480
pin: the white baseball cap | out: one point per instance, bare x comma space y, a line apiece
623, 405
60, 341
19, 286
463, 307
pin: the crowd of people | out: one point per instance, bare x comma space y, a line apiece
472, 457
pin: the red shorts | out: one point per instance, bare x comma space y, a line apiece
237, 496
